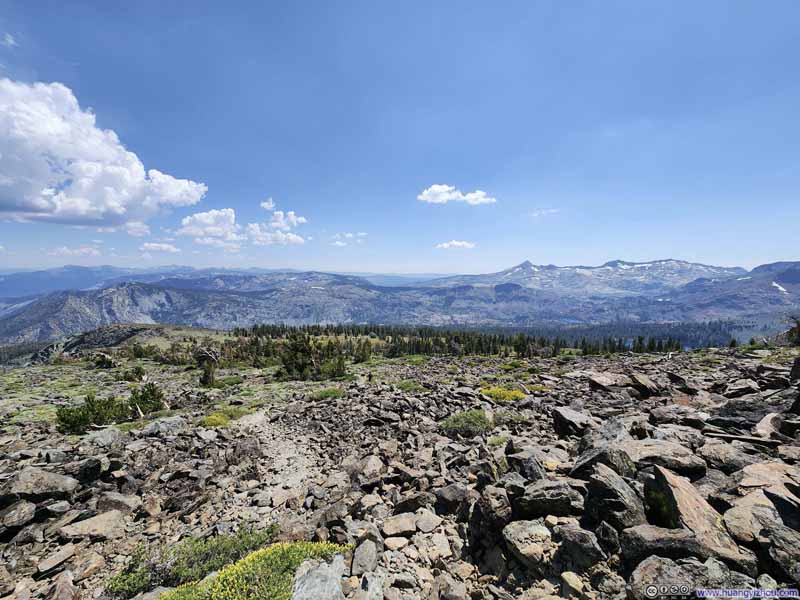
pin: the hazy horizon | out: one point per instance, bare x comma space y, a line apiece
244, 267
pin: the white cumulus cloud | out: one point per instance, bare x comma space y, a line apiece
261, 235
286, 221
442, 194
8, 40
268, 204
57, 165
455, 244
158, 247
217, 228
80, 251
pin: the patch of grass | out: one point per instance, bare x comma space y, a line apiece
410, 386
497, 440
223, 416
508, 418
327, 393
43, 413
266, 574
215, 420
502, 394
539, 388
511, 365
417, 359
170, 565
468, 423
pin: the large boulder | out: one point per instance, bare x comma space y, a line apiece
784, 549
578, 548
675, 457
724, 456
610, 455
660, 577
365, 558
105, 526
675, 503
18, 514
741, 387
33, 483
611, 499
318, 580
548, 497
531, 543
641, 541
494, 508
568, 422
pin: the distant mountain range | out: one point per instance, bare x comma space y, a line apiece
55, 303
20, 284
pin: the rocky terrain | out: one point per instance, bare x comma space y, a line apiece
526, 295
598, 478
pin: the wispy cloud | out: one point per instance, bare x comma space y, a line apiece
158, 247
8, 41
268, 204
544, 212
455, 245
442, 194
347, 238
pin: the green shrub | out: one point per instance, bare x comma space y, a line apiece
266, 574
502, 394
303, 358
148, 398
511, 365
103, 361
208, 378
411, 386
93, 411
468, 423
135, 374
327, 393
152, 565
334, 368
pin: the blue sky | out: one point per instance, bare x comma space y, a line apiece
570, 133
